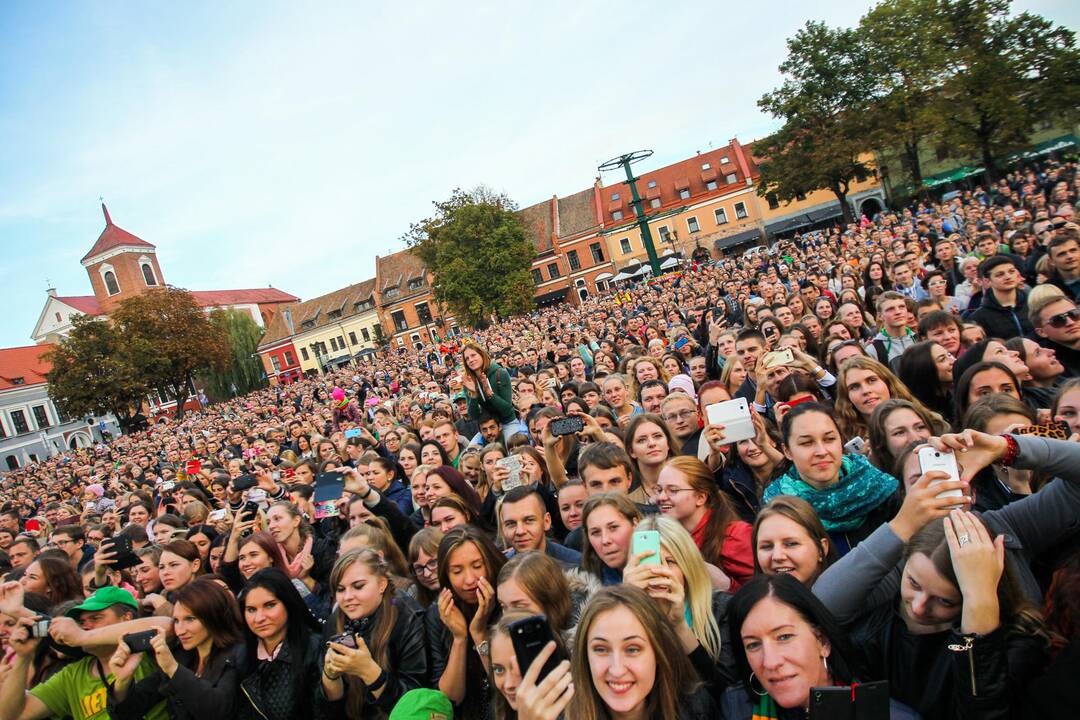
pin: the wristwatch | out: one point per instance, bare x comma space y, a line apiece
484, 649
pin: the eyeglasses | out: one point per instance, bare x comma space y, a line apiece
1062, 319
671, 491
429, 568
680, 415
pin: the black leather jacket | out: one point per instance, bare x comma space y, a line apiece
269, 692
187, 696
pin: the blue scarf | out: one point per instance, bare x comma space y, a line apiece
845, 505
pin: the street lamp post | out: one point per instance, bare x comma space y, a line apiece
624, 162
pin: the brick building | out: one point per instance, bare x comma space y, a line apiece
407, 309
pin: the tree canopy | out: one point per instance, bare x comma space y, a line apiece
243, 372
478, 253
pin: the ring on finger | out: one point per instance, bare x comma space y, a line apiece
962, 539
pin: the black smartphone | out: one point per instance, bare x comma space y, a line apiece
139, 642
531, 635
869, 701
125, 553
344, 639
244, 482
249, 511
566, 425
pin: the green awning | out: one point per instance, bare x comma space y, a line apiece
954, 175
1046, 147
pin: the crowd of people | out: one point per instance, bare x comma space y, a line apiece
380, 541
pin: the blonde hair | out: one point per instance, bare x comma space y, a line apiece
676, 540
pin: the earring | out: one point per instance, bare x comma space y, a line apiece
750, 684
825, 661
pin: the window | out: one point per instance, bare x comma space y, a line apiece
41, 417
416, 283
148, 274
333, 314
652, 184
352, 338
3, 433
341, 342
724, 160
597, 252
364, 305
423, 313
400, 323
572, 258
289, 359
706, 166
617, 215
58, 318
276, 363
377, 329
320, 348
772, 200
365, 334
624, 245
304, 354
538, 277
553, 270
307, 324
18, 380
740, 210
711, 185
615, 196
18, 421
392, 292
684, 194
664, 233
12, 462
731, 178
692, 224
655, 203
111, 285
721, 216
333, 344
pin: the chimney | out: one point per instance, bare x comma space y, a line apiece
51, 291
287, 314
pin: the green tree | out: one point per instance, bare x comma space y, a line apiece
479, 255
244, 371
822, 140
1004, 74
90, 374
168, 337
905, 62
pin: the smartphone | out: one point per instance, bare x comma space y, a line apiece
855, 446
776, 358
513, 464
931, 459
646, 541
244, 482
352, 432
256, 495
566, 426
681, 342
167, 486
531, 635
344, 639
139, 642
1056, 430
862, 701
734, 415
249, 511
192, 467
216, 515
40, 627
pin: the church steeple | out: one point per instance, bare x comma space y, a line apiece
108, 220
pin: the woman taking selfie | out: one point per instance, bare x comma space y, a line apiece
609, 519
199, 679
469, 565
283, 643
851, 496
378, 652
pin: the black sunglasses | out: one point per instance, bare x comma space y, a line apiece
1062, 319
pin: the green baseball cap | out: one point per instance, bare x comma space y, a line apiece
423, 704
104, 598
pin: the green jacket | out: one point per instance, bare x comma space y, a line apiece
500, 404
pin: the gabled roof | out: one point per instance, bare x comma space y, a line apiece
536, 220
402, 266
213, 298
86, 304
318, 309
577, 213
113, 237
25, 363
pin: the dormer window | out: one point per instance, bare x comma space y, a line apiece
416, 283
391, 292
333, 315
364, 305
17, 381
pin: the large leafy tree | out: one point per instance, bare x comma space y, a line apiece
244, 372
822, 140
479, 255
905, 61
1004, 74
91, 374
168, 337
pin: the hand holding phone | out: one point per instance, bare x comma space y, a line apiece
646, 541
931, 459
530, 636
138, 642
734, 415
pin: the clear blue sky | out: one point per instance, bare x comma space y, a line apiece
289, 143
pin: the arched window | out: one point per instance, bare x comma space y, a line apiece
148, 275
111, 285
12, 462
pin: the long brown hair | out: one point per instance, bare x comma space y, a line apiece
802, 514
622, 504
850, 422
216, 609
675, 675
493, 559
721, 513
427, 540
544, 581
385, 619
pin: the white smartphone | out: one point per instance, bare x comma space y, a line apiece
734, 415
931, 459
516, 478
216, 515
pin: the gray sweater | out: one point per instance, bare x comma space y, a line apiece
869, 575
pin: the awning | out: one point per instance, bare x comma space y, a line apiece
743, 238
669, 263
552, 297
1046, 147
622, 277
789, 224
602, 276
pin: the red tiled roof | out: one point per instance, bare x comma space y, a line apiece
113, 237
207, 298
86, 304
23, 362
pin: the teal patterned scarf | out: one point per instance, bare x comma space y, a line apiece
845, 505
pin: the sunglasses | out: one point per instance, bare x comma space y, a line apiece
1062, 319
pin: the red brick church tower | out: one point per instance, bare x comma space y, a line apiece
120, 265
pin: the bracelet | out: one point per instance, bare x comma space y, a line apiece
379, 682
1012, 449
366, 495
